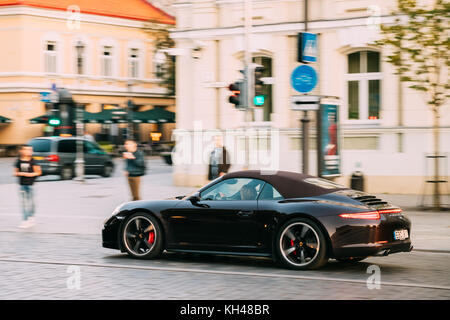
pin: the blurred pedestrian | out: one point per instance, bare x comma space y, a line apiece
135, 167
89, 136
218, 160
27, 170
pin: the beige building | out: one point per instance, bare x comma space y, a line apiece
97, 49
385, 138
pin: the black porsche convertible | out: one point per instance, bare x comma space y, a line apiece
299, 220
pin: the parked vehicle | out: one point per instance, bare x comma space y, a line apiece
57, 155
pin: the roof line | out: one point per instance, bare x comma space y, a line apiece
21, 3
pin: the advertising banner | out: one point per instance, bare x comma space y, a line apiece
329, 156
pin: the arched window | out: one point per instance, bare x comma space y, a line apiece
363, 85
80, 60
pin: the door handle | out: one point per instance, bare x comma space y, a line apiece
244, 213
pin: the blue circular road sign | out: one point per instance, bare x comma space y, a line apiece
304, 78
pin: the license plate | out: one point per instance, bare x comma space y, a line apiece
38, 158
401, 234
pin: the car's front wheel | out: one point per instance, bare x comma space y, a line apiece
301, 245
142, 236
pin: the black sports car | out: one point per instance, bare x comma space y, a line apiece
298, 220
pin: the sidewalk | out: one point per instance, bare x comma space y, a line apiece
74, 208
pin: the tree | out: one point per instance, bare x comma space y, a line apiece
419, 43
163, 42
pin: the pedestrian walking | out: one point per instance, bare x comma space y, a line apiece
135, 167
218, 160
27, 170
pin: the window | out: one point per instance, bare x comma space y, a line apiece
363, 85
89, 147
134, 63
269, 193
50, 56
159, 60
41, 145
234, 189
80, 57
106, 61
67, 146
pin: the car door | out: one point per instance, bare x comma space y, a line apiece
216, 222
259, 228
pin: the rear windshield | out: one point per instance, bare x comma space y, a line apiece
41, 145
323, 183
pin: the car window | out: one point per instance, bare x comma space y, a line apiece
89, 147
233, 189
269, 193
41, 145
67, 146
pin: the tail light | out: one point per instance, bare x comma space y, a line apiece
369, 215
52, 158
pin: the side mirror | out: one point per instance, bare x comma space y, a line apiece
194, 198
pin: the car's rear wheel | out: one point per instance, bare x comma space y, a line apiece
67, 173
107, 170
301, 245
142, 236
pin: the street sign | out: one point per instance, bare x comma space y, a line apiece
45, 96
305, 103
304, 79
307, 47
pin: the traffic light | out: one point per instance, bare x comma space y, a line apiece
258, 99
238, 94
54, 121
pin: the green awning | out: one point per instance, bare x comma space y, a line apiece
106, 116
40, 119
5, 120
156, 115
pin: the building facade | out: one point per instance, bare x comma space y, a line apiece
386, 128
98, 50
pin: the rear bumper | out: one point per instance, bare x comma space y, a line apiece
372, 249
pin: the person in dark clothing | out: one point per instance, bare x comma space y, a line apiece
27, 170
218, 160
135, 167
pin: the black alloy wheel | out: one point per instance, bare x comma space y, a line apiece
301, 245
142, 236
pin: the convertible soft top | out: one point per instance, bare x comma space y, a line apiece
291, 184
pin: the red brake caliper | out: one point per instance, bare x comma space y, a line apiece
151, 237
292, 244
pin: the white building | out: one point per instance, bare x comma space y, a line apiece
386, 128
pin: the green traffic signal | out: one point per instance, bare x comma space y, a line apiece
54, 122
258, 100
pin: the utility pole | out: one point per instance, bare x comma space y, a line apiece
247, 73
305, 120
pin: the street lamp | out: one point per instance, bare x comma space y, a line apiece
130, 131
79, 162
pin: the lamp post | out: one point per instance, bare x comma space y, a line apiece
130, 131
79, 162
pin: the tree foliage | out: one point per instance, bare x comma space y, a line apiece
420, 43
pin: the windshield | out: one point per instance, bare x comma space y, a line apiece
40, 145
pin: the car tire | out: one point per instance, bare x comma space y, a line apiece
301, 245
107, 170
67, 173
351, 259
137, 239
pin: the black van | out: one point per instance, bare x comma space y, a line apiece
57, 155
